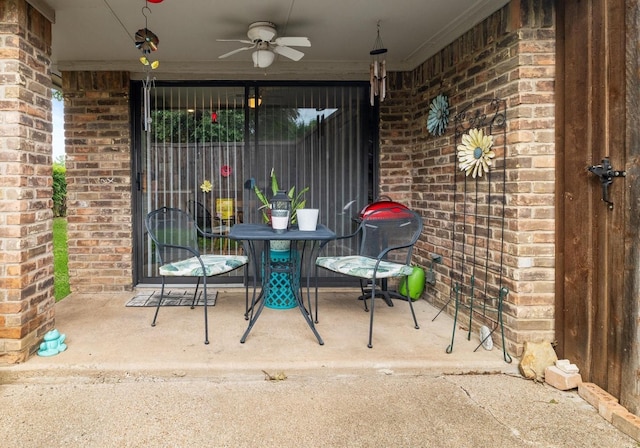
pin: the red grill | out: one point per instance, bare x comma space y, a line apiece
384, 210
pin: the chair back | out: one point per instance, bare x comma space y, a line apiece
201, 215
174, 234
390, 233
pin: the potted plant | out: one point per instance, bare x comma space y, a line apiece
281, 292
297, 199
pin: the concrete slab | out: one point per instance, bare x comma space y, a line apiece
122, 383
103, 334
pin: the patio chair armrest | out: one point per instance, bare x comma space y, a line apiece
338, 238
161, 246
222, 232
386, 250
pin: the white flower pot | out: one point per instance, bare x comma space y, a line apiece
280, 220
307, 218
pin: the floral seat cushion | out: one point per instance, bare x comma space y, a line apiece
358, 266
214, 265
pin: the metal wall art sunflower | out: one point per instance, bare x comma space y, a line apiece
146, 40
438, 117
474, 154
206, 186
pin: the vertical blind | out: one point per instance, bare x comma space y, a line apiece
207, 146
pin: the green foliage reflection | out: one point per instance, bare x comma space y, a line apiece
276, 123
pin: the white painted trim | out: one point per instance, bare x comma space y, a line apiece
456, 28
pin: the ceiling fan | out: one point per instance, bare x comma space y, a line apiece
265, 43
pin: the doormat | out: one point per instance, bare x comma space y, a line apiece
172, 297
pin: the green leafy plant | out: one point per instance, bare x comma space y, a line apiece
61, 286
59, 190
297, 199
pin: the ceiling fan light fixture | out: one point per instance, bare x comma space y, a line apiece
264, 44
262, 58
261, 31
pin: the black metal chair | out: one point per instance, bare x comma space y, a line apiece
387, 237
175, 237
204, 220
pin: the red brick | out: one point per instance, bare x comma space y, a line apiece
561, 380
594, 395
13, 332
11, 307
627, 422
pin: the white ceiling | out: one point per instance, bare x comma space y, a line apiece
98, 34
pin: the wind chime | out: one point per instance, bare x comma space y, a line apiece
147, 42
378, 70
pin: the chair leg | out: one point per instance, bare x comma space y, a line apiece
364, 293
316, 287
246, 289
206, 317
155, 316
195, 294
413, 313
373, 303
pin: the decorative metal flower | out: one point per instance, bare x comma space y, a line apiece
206, 186
225, 171
146, 40
474, 154
438, 117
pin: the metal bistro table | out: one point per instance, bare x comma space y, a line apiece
250, 234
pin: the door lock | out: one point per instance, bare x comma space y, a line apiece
606, 173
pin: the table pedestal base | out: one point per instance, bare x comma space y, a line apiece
282, 285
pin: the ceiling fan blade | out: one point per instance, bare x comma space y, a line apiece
237, 50
288, 52
242, 41
293, 41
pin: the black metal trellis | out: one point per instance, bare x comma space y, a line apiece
478, 225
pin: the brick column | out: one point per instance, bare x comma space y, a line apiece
397, 140
511, 56
98, 162
26, 218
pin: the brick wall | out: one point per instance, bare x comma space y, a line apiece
511, 55
98, 162
26, 248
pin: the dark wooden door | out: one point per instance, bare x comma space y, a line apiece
590, 293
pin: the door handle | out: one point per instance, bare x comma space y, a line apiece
606, 173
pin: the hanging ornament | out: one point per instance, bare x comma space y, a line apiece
378, 70
438, 117
474, 154
147, 42
147, 84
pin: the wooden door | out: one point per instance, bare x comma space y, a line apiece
592, 111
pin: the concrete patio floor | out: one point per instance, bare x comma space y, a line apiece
104, 335
122, 383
